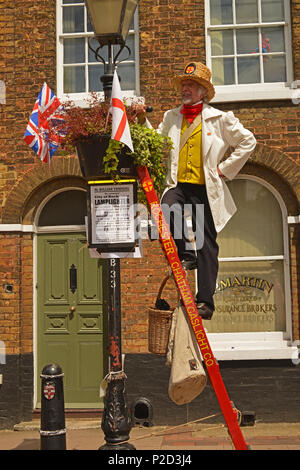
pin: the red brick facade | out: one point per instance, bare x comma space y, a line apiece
171, 33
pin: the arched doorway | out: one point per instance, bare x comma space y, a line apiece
70, 299
253, 300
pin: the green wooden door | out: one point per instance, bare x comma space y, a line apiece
71, 326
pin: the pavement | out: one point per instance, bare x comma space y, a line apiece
86, 434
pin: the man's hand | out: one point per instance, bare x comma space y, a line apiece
219, 173
140, 111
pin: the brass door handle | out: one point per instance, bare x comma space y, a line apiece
72, 310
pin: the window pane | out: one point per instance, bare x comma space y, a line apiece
124, 54
74, 50
274, 69
273, 39
223, 71
102, 52
89, 23
65, 2
247, 41
272, 10
246, 11
256, 228
66, 208
249, 297
221, 12
73, 19
248, 70
126, 73
95, 72
221, 42
74, 79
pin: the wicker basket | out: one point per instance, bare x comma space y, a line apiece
159, 326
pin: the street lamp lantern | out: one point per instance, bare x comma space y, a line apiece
111, 19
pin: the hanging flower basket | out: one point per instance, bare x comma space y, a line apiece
91, 152
88, 131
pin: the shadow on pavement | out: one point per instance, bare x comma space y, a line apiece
28, 444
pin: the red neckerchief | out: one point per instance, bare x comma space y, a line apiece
191, 111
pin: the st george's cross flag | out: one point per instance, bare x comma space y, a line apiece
120, 126
38, 135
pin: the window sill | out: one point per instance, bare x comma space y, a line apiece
81, 99
225, 94
252, 346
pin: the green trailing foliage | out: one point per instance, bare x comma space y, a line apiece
150, 150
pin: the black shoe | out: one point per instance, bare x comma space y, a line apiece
204, 311
189, 264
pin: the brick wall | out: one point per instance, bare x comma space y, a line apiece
28, 58
141, 280
267, 388
171, 34
16, 279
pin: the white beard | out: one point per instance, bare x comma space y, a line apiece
186, 100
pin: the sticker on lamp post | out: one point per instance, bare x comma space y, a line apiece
111, 211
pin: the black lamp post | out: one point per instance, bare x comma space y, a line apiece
111, 22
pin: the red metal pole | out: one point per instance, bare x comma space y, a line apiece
170, 251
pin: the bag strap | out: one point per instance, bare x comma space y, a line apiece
164, 282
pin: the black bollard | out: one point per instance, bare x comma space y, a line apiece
53, 428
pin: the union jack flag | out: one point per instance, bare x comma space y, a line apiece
37, 135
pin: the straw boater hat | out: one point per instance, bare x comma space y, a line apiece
199, 73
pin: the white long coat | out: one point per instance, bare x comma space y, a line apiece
220, 130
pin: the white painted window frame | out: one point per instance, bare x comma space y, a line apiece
259, 91
80, 98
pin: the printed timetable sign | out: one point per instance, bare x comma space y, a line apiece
111, 212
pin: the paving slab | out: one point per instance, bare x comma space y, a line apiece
86, 434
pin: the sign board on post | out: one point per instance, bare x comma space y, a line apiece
111, 215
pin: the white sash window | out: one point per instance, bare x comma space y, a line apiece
78, 72
252, 318
249, 48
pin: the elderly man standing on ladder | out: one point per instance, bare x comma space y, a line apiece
201, 135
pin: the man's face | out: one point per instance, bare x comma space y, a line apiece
191, 92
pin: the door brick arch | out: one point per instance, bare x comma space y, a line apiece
285, 170
38, 182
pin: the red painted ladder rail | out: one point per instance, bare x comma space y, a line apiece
212, 367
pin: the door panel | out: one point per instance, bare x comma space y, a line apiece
55, 276
72, 324
89, 284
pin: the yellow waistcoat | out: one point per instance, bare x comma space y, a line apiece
190, 164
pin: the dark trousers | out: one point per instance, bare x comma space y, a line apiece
184, 196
